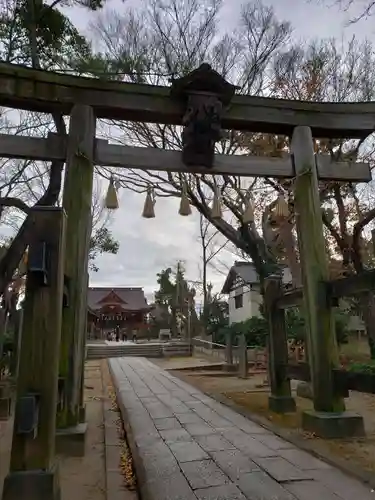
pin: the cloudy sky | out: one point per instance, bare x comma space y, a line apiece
146, 246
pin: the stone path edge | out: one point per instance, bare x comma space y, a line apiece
142, 489
113, 477
351, 470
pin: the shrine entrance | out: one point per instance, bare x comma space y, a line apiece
204, 104
121, 308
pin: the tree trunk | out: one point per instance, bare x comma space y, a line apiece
368, 312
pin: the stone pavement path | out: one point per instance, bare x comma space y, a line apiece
193, 447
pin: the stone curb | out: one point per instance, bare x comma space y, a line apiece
115, 488
354, 471
142, 490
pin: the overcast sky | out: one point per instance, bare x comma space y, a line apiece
147, 246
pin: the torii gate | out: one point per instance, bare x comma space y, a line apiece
203, 103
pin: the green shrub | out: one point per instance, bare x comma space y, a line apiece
255, 329
362, 367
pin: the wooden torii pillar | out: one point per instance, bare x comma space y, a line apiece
33, 469
77, 200
329, 417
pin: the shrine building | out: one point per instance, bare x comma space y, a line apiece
109, 307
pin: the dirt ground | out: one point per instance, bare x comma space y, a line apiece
84, 478
252, 395
80, 478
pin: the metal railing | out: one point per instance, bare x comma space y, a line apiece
209, 349
255, 355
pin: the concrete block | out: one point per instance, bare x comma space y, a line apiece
72, 440
333, 425
32, 485
281, 404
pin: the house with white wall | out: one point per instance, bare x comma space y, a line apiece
242, 285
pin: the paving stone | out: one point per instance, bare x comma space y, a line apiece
311, 490
175, 435
344, 486
142, 392
203, 473
187, 452
199, 429
188, 441
303, 460
149, 400
158, 410
158, 461
282, 470
190, 418
174, 487
274, 442
249, 445
234, 463
131, 401
174, 404
214, 442
225, 492
220, 422
194, 404
181, 395
258, 485
239, 421
164, 424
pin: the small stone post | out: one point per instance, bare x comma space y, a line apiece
280, 400
33, 474
228, 351
243, 364
329, 418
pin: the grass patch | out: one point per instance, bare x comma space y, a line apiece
257, 402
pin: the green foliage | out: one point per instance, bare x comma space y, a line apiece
173, 295
295, 325
217, 318
30, 30
362, 367
102, 242
167, 289
256, 329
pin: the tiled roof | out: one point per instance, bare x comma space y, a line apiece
246, 271
134, 298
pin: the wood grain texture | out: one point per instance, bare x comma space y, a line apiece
40, 344
277, 340
43, 91
113, 155
319, 319
78, 186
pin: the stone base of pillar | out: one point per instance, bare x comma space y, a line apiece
72, 440
33, 485
281, 404
333, 425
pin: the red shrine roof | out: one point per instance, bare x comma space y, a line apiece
130, 299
